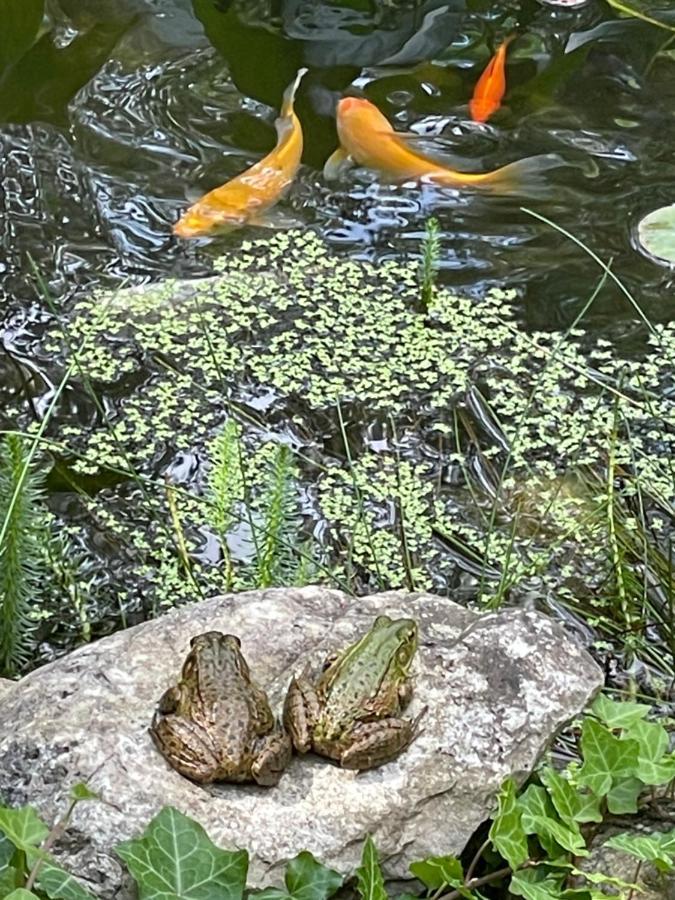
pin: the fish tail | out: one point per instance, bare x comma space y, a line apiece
289, 93
522, 178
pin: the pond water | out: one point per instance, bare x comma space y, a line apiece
123, 109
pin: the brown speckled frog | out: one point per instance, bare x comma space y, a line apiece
353, 712
216, 723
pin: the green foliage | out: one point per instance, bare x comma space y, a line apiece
175, 857
431, 251
23, 536
305, 879
277, 537
658, 849
25, 863
542, 832
369, 880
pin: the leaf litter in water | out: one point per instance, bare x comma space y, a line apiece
656, 234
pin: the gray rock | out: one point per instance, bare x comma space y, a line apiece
497, 687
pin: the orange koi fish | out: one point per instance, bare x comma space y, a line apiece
246, 198
490, 87
367, 138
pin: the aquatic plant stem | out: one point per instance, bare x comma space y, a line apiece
603, 265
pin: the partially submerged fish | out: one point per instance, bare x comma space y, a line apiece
367, 138
246, 198
491, 86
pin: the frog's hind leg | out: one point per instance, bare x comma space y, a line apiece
273, 754
301, 711
372, 744
187, 747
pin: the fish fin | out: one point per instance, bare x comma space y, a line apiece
523, 178
337, 164
289, 93
277, 219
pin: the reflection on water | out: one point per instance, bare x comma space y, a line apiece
124, 110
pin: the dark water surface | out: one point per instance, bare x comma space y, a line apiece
124, 108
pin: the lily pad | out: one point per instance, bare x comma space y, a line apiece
656, 233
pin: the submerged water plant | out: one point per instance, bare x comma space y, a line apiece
24, 537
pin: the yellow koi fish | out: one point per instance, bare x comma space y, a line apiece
367, 138
245, 199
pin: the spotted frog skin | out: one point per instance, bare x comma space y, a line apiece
216, 723
352, 714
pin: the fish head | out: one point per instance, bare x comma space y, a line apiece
358, 119
202, 220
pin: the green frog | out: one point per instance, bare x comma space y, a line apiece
353, 712
216, 723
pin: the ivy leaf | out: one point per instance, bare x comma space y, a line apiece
569, 839
607, 759
506, 832
6, 851
589, 808
176, 858
623, 796
437, 871
54, 881
306, 879
22, 826
21, 20
9, 877
654, 766
537, 884
658, 849
534, 803
564, 796
369, 881
618, 714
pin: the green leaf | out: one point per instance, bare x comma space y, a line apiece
536, 884
9, 878
656, 233
534, 803
306, 879
437, 871
21, 20
21, 894
80, 791
607, 759
569, 839
654, 766
369, 880
6, 851
55, 881
589, 809
23, 826
623, 796
658, 849
176, 858
506, 832
564, 796
618, 714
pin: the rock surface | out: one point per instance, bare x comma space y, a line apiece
497, 687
